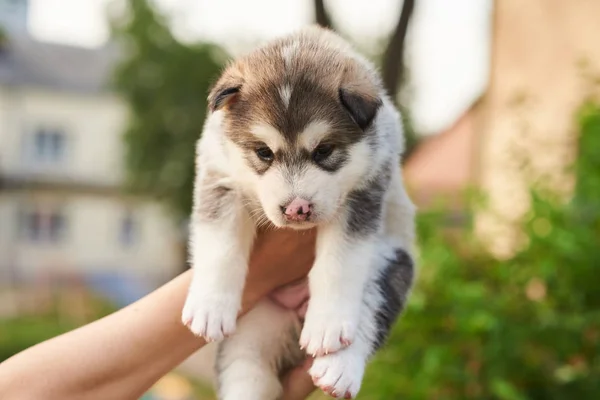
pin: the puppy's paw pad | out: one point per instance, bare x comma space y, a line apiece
212, 318
339, 375
322, 335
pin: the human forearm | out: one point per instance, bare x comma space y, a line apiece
123, 354
117, 357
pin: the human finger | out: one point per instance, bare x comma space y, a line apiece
297, 384
291, 296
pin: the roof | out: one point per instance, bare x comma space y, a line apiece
25, 61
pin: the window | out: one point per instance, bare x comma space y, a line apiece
128, 230
56, 227
49, 145
48, 226
32, 226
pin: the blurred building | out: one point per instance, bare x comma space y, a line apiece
62, 208
544, 62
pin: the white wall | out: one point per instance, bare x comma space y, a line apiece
91, 242
94, 125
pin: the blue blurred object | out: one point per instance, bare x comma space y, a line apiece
121, 289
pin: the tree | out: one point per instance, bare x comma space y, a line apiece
393, 58
165, 84
392, 62
321, 15
393, 70
522, 327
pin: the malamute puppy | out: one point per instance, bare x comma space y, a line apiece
300, 134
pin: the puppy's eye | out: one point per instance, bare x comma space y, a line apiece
322, 152
265, 154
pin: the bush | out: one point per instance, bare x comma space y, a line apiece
22, 332
524, 328
19, 334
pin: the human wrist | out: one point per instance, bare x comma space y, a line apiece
253, 293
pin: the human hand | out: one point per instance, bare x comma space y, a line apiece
293, 296
279, 257
278, 267
297, 384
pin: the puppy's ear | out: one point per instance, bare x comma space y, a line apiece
359, 94
222, 95
362, 107
227, 88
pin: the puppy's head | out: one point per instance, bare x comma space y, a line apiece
298, 121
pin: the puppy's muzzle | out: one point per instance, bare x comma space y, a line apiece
298, 210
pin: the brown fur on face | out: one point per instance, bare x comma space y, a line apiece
325, 82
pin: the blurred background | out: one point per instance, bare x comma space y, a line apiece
101, 102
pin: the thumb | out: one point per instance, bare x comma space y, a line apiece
297, 384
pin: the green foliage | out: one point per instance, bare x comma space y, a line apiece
19, 334
476, 327
523, 328
165, 84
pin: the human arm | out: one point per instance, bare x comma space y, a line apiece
121, 356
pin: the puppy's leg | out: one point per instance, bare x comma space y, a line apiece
388, 281
221, 238
337, 282
250, 362
340, 374
346, 250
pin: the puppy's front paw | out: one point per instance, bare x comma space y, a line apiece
211, 317
339, 375
326, 332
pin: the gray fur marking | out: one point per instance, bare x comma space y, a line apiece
365, 205
215, 202
394, 284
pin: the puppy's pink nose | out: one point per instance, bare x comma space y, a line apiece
298, 210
